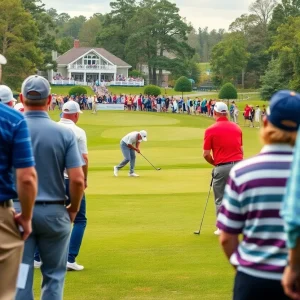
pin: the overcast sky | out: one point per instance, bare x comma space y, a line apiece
201, 13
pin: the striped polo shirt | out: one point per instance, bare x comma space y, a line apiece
251, 205
15, 149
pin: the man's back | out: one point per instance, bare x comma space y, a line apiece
52, 146
14, 143
224, 138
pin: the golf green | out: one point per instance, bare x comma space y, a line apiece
139, 242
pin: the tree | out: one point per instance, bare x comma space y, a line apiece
66, 44
18, 36
183, 84
152, 90
72, 27
229, 57
77, 90
228, 91
272, 81
115, 31
159, 38
89, 30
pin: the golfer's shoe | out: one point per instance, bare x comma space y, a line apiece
116, 171
37, 264
133, 175
74, 267
217, 232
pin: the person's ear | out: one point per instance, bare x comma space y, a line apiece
21, 98
49, 100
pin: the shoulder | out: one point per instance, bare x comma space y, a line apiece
7, 114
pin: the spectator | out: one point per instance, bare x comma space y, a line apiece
251, 205
51, 219
15, 153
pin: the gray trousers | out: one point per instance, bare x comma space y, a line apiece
51, 229
129, 156
220, 176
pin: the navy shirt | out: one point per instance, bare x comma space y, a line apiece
55, 149
15, 149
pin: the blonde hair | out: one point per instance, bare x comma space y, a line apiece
273, 135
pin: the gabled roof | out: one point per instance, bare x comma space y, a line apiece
75, 53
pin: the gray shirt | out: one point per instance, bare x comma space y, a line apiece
55, 148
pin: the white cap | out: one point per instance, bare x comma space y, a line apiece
19, 107
221, 107
143, 134
6, 94
71, 107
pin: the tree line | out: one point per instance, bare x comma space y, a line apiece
261, 49
147, 32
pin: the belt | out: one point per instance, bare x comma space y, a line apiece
228, 163
7, 203
61, 202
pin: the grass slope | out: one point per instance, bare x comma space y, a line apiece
139, 242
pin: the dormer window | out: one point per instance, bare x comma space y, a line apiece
91, 59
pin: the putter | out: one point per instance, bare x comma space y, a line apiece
157, 169
199, 231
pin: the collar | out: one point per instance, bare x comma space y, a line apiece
222, 119
66, 121
277, 148
36, 114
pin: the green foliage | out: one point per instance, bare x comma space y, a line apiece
152, 90
88, 31
228, 91
183, 84
135, 73
66, 44
78, 90
230, 57
272, 81
19, 37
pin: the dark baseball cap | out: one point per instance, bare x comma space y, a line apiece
284, 110
37, 84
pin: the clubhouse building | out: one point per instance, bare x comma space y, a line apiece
87, 66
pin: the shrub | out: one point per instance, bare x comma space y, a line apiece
228, 91
152, 90
77, 90
183, 84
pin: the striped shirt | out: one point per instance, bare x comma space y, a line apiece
15, 149
251, 205
291, 204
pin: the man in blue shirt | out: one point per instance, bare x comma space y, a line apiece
55, 149
15, 152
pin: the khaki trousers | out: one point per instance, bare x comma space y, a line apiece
11, 250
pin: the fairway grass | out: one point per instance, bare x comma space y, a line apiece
139, 242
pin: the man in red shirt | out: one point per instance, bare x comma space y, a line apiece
248, 115
222, 148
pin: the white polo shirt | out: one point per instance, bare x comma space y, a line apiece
79, 134
131, 138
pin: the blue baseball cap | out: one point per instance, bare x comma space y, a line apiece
37, 84
284, 110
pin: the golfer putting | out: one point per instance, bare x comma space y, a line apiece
130, 144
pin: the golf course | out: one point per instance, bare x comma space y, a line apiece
139, 242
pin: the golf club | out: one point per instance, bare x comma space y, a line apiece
199, 231
157, 169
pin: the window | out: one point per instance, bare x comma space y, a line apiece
91, 59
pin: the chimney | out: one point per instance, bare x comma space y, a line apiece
76, 44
